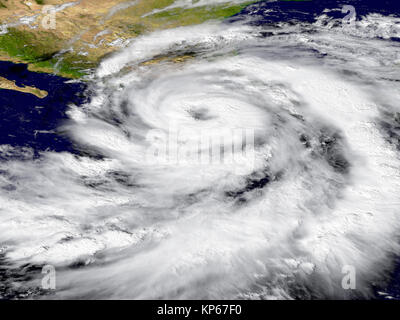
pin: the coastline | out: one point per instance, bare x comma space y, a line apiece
31, 121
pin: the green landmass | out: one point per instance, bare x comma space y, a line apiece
43, 49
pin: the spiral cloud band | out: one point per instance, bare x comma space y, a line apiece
226, 160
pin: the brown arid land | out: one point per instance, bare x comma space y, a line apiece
86, 31
10, 85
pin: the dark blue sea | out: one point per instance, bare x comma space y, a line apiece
28, 121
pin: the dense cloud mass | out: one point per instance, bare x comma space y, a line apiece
313, 188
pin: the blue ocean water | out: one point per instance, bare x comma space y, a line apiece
308, 10
28, 121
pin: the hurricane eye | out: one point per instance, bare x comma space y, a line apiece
202, 114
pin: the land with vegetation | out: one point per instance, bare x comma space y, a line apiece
86, 31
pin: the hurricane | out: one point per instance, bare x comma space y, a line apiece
253, 158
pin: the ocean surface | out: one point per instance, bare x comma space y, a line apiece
28, 121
